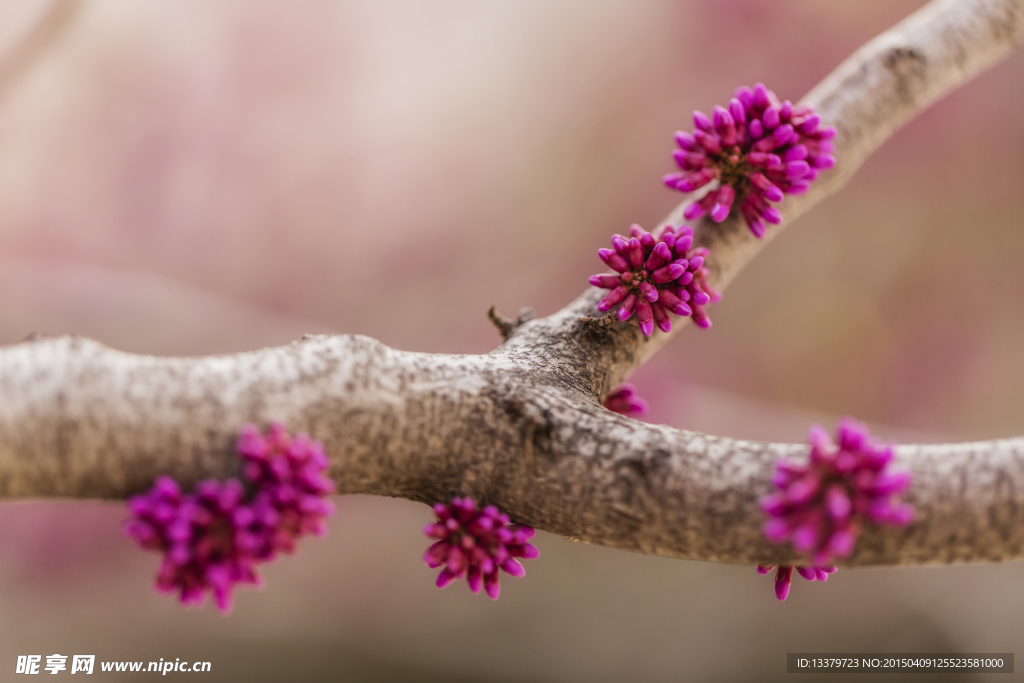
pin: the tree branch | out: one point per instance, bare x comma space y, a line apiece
523, 427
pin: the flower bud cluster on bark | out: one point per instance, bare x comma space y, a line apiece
756, 150
215, 537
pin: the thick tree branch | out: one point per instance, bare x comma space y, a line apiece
523, 427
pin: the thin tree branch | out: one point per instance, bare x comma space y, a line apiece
522, 427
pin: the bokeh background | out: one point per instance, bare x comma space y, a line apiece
208, 176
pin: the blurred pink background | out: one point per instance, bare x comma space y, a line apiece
207, 176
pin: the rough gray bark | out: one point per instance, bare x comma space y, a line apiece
523, 427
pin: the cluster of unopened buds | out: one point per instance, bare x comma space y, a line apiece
474, 544
821, 505
215, 537
757, 150
656, 274
625, 400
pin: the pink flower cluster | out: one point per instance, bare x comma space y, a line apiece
656, 275
757, 149
821, 505
625, 401
784, 576
215, 537
474, 544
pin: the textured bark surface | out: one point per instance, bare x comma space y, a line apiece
523, 427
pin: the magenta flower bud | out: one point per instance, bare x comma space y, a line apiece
491, 587
770, 118
723, 203
635, 253
783, 580
804, 538
685, 140
605, 281
694, 211
701, 122
672, 302
645, 317
810, 124
795, 153
776, 530
763, 160
628, 306
697, 180
709, 142
445, 578
667, 274
614, 261
724, 125
808, 573
823, 161
672, 180
736, 111
529, 551
777, 140
513, 568
797, 169
840, 544
888, 484
803, 489
660, 255
774, 504
166, 488
612, 298
838, 503
649, 291
762, 183
722, 119
763, 97
661, 318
